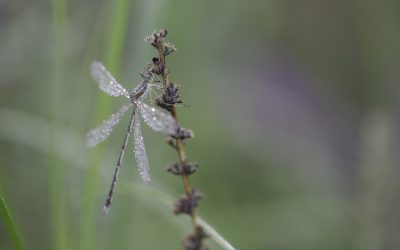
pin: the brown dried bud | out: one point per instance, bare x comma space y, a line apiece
175, 169
188, 204
169, 48
162, 32
156, 38
194, 241
157, 67
171, 142
188, 168
170, 97
184, 133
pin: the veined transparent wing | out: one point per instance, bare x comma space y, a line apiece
157, 119
101, 133
106, 81
140, 151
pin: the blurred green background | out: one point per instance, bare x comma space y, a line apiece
294, 104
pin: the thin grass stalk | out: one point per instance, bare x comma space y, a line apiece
117, 33
93, 48
9, 224
57, 201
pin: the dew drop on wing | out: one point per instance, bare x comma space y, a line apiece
106, 209
106, 81
157, 119
101, 133
140, 151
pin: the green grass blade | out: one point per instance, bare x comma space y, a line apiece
213, 234
8, 221
57, 197
119, 19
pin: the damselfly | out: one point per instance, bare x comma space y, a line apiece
155, 118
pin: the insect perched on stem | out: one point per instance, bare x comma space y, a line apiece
155, 118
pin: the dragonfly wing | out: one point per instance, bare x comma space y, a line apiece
106, 81
140, 151
101, 133
157, 119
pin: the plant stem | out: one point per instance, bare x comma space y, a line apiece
119, 22
179, 143
58, 204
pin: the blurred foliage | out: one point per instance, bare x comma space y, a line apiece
8, 221
294, 105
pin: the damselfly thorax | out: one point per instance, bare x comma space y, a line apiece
140, 92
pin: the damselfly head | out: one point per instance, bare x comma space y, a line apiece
145, 73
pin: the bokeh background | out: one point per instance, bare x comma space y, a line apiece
294, 104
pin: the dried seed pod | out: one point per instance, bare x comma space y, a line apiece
187, 204
170, 97
157, 66
194, 241
175, 169
188, 168
156, 38
171, 142
184, 133
169, 48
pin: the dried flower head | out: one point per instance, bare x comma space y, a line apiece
187, 204
156, 38
184, 133
194, 241
169, 48
170, 97
188, 168
157, 66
